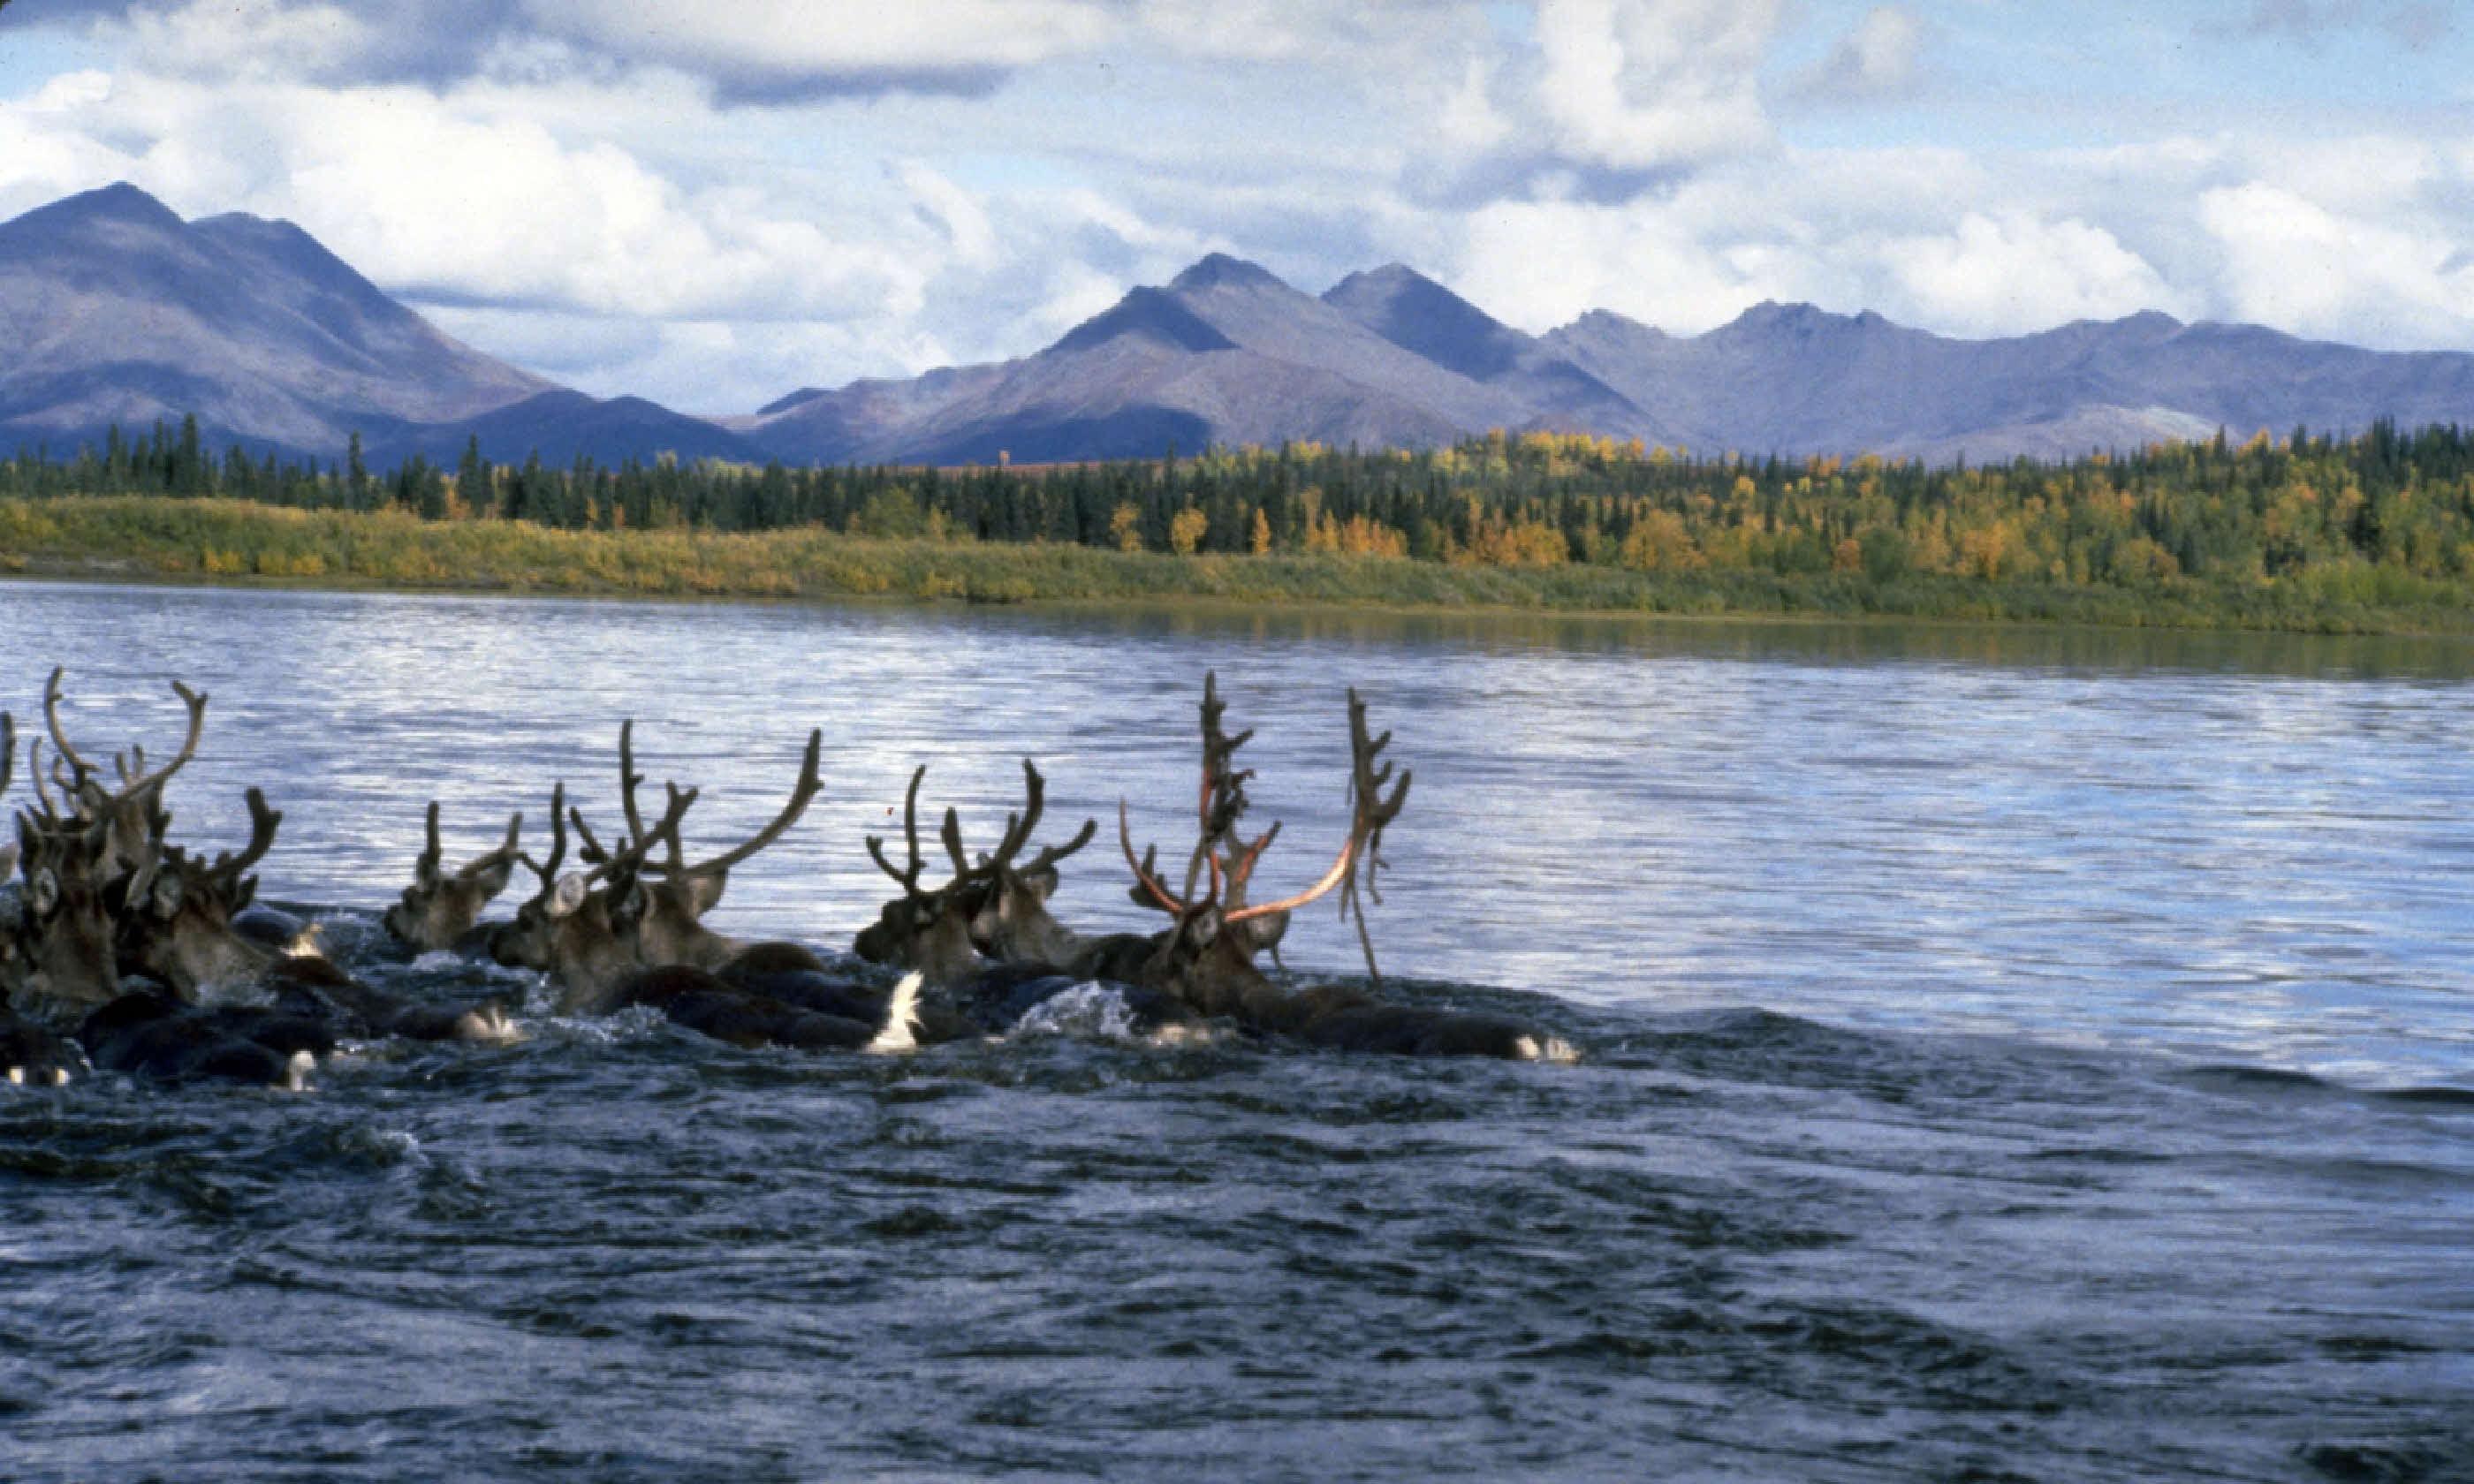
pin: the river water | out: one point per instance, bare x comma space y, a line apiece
2010, 1054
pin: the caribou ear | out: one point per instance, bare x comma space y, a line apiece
1203, 927
1041, 884
7, 858
572, 891
493, 881
43, 892
163, 893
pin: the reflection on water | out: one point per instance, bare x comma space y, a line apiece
2245, 847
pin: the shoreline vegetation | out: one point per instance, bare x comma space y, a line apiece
2374, 534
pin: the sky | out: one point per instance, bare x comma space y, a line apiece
712, 204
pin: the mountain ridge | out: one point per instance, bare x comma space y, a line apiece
114, 311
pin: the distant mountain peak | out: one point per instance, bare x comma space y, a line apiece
1601, 321
1415, 313
119, 202
1147, 313
1217, 270
1769, 313
790, 401
1390, 276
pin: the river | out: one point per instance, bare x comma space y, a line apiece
2010, 1053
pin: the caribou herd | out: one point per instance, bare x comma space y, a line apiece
123, 951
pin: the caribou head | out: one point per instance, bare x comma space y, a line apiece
1207, 958
438, 910
63, 951
668, 925
175, 923
578, 928
592, 930
133, 814
927, 930
79, 853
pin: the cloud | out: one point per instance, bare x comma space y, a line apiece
1877, 60
584, 186
2017, 272
1606, 101
2414, 24
1650, 85
779, 50
2297, 265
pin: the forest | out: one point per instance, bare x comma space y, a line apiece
2374, 530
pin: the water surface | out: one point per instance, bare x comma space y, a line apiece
2013, 1053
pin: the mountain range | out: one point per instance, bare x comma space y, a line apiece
115, 311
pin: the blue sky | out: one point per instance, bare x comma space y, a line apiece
710, 204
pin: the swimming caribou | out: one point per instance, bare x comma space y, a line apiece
142, 945
153, 950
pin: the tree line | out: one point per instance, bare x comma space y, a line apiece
2266, 508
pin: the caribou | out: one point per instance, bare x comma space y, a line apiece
628, 930
143, 946
1207, 960
155, 952
986, 942
442, 911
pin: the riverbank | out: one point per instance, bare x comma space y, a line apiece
126, 538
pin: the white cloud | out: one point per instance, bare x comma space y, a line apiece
792, 42
1642, 85
2299, 266
1879, 60
2017, 272
252, 38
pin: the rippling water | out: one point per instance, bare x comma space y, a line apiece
2011, 1054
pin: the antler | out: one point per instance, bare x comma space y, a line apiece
1020, 829
801, 793
639, 841
52, 719
631, 855
909, 878
549, 874
228, 869
7, 749
629, 777
135, 781
426, 864
34, 775
1371, 811
1143, 868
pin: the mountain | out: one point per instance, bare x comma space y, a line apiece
560, 423
1422, 317
1795, 379
1225, 353
115, 311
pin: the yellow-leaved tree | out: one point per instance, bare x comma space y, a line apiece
1185, 530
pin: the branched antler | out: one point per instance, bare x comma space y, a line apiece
909, 878
229, 868
1371, 812
1019, 828
1231, 860
548, 873
80, 786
